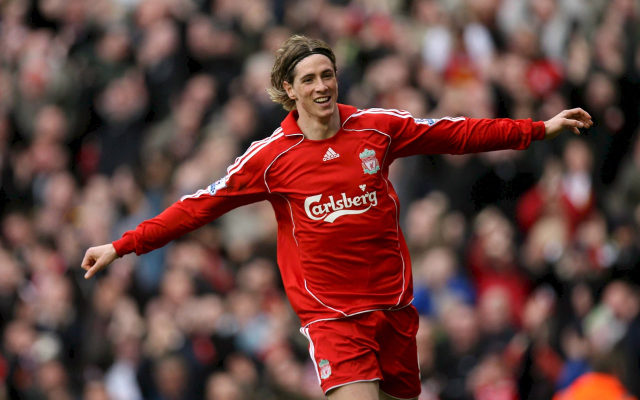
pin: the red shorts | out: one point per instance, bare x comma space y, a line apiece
378, 345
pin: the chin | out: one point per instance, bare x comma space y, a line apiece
329, 111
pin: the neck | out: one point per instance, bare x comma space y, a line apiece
316, 128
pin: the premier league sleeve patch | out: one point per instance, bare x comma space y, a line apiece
427, 121
217, 185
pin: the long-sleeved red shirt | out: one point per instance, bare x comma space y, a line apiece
340, 248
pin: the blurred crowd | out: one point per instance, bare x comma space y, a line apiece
526, 264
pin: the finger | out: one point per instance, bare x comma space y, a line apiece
578, 110
585, 123
573, 123
585, 119
93, 270
579, 114
575, 130
578, 120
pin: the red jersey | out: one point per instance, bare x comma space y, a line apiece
340, 248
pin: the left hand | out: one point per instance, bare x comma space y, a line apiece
567, 119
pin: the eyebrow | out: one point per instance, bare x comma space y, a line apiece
312, 74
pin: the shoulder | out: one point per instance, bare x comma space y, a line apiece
260, 153
377, 117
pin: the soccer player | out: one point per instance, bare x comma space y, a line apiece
342, 256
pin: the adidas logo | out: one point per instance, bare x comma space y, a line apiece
330, 155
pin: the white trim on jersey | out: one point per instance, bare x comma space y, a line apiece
403, 265
319, 301
232, 170
394, 397
393, 110
239, 162
349, 383
253, 145
312, 351
451, 119
400, 114
194, 195
293, 233
380, 111
269, 189
278, 156
361, 312
419, 370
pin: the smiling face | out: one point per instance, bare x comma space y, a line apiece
314, 87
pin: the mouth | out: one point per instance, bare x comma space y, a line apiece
322, 100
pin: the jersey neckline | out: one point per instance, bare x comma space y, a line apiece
290, 123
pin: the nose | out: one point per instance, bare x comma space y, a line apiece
321, 86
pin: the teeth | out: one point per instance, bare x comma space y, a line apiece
321, 100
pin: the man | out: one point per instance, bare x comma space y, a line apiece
604, 382
342, 256
623, 299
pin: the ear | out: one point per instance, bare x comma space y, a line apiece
289, 89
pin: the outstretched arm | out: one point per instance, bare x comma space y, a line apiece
180, 218
242, 185
186, 215
411, 136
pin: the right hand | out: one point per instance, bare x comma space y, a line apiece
97, 258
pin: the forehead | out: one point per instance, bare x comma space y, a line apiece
313, 64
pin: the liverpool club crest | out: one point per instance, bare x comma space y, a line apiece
370, 163
325, 369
